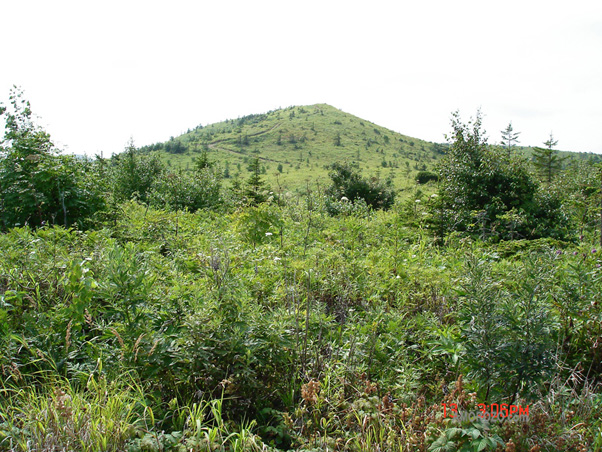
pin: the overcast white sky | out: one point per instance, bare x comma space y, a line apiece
100, 72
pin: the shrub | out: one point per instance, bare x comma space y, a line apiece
508, 329
348, 183
133, 173
426, 176
200, 189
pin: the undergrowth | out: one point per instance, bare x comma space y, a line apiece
179, 331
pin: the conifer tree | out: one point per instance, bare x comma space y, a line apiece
202, 162
255, 184
546, 160
509, 136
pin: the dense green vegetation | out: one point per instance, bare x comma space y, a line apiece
179, 311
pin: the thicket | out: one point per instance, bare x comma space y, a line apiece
348, 185
490, 193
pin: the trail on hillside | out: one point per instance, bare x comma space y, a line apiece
214, 144
262, 132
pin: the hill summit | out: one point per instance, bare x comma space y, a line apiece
296, 145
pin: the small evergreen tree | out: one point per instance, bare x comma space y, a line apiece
202, 161
509, 136
337, 139
133, 174
546, 160
254, 191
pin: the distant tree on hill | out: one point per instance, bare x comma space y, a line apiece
546, 160
337, 139
174, 147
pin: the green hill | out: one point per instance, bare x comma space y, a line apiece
296, 144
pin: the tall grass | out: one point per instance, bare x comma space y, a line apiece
58, 415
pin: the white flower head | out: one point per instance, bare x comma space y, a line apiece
344, 199
267, 234
417, 201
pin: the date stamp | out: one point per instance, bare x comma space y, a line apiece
494, 412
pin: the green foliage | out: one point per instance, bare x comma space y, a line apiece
547, 161
196, 190
224, 316
348, 183
344, 207
38, 186
258, 223
239, 350
470, 438
508, 332
490, 193
254, 191
133, 174
201, 330
101, 415
426, 176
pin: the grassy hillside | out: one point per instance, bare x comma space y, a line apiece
297, 144
302, 142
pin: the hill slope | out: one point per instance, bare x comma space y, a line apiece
296, 144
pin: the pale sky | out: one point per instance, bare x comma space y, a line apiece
100, 72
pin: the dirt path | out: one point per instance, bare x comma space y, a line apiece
214, 144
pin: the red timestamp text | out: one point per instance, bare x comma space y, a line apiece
489, 411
